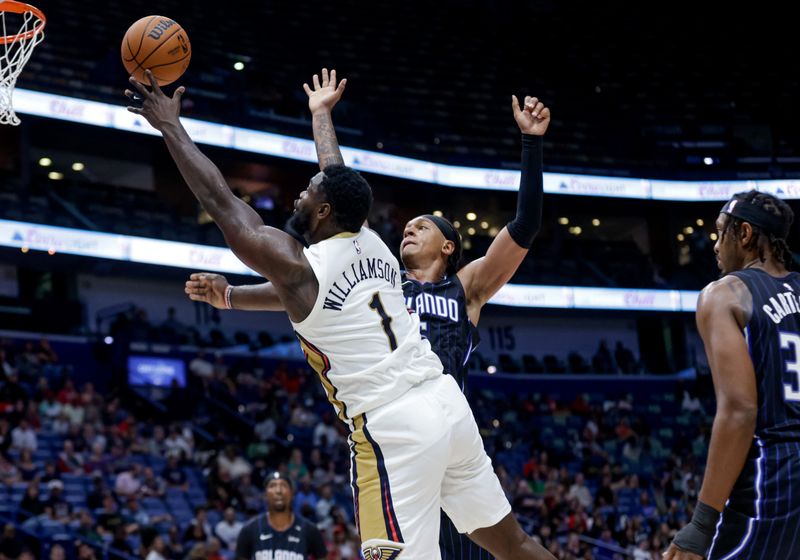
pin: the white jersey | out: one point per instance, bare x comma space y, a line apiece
359, 337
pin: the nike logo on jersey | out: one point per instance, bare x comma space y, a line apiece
265, 537
294, 539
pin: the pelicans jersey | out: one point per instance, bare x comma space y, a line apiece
359, 337
762, 517
414, 444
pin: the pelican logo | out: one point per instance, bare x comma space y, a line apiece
381, 550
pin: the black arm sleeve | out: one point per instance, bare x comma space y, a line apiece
316, 545
244, 542
526, 224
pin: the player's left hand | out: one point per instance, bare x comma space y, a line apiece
675, 553
532, 118
157, 108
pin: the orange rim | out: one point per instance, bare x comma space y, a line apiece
21, 8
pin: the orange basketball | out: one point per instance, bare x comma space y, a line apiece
158, 44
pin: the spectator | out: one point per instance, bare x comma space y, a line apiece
109, 518
177, 444
86, 552
234, 463
228, 529
31, 504
62, 511
324, 507
201, 367
57, 552
251, 496
11, 545
119, 546
6, 437
23, 437
175, 548
174, 475
199, 529
152, 485
134, 514
50, 409
87, 529
153, 544
325, 434
579, 491
67, 393
94, 500
9, 473
214, 549
127, 483
69, 460
27, 468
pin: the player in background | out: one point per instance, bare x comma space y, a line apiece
749, 503
278, 533
448, 300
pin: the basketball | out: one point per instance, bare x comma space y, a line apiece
158, 44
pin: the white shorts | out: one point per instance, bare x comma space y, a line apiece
412, 457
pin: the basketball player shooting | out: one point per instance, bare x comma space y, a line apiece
750, 324
415, 446
431, 251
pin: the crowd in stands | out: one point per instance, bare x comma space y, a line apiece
81, 476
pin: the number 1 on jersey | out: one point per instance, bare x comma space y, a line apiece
377, 305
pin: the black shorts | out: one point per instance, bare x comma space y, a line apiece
739, 536
458, 546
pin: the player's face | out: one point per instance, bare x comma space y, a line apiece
279, 495
422, 241
726, 248
306, 205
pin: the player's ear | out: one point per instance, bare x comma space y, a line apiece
324, 211
448, 247
746, 233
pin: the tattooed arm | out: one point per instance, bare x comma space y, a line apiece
321, 101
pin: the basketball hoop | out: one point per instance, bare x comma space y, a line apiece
22, 28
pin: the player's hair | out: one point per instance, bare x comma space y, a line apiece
349, 195
761, 239
454, 258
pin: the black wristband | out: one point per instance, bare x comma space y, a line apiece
525, 226
696, 537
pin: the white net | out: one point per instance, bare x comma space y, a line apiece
21, 32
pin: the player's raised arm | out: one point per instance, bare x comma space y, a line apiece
215, 290
269, 251
483, 277
321, 101
723, 310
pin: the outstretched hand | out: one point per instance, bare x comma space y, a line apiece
326, 94
533, 118
207, 287
157, 108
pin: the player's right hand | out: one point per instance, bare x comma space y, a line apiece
207, 287
326, 94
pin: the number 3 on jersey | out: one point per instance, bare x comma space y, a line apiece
386, 322
791, 390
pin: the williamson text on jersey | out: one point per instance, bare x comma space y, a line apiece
364, 269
